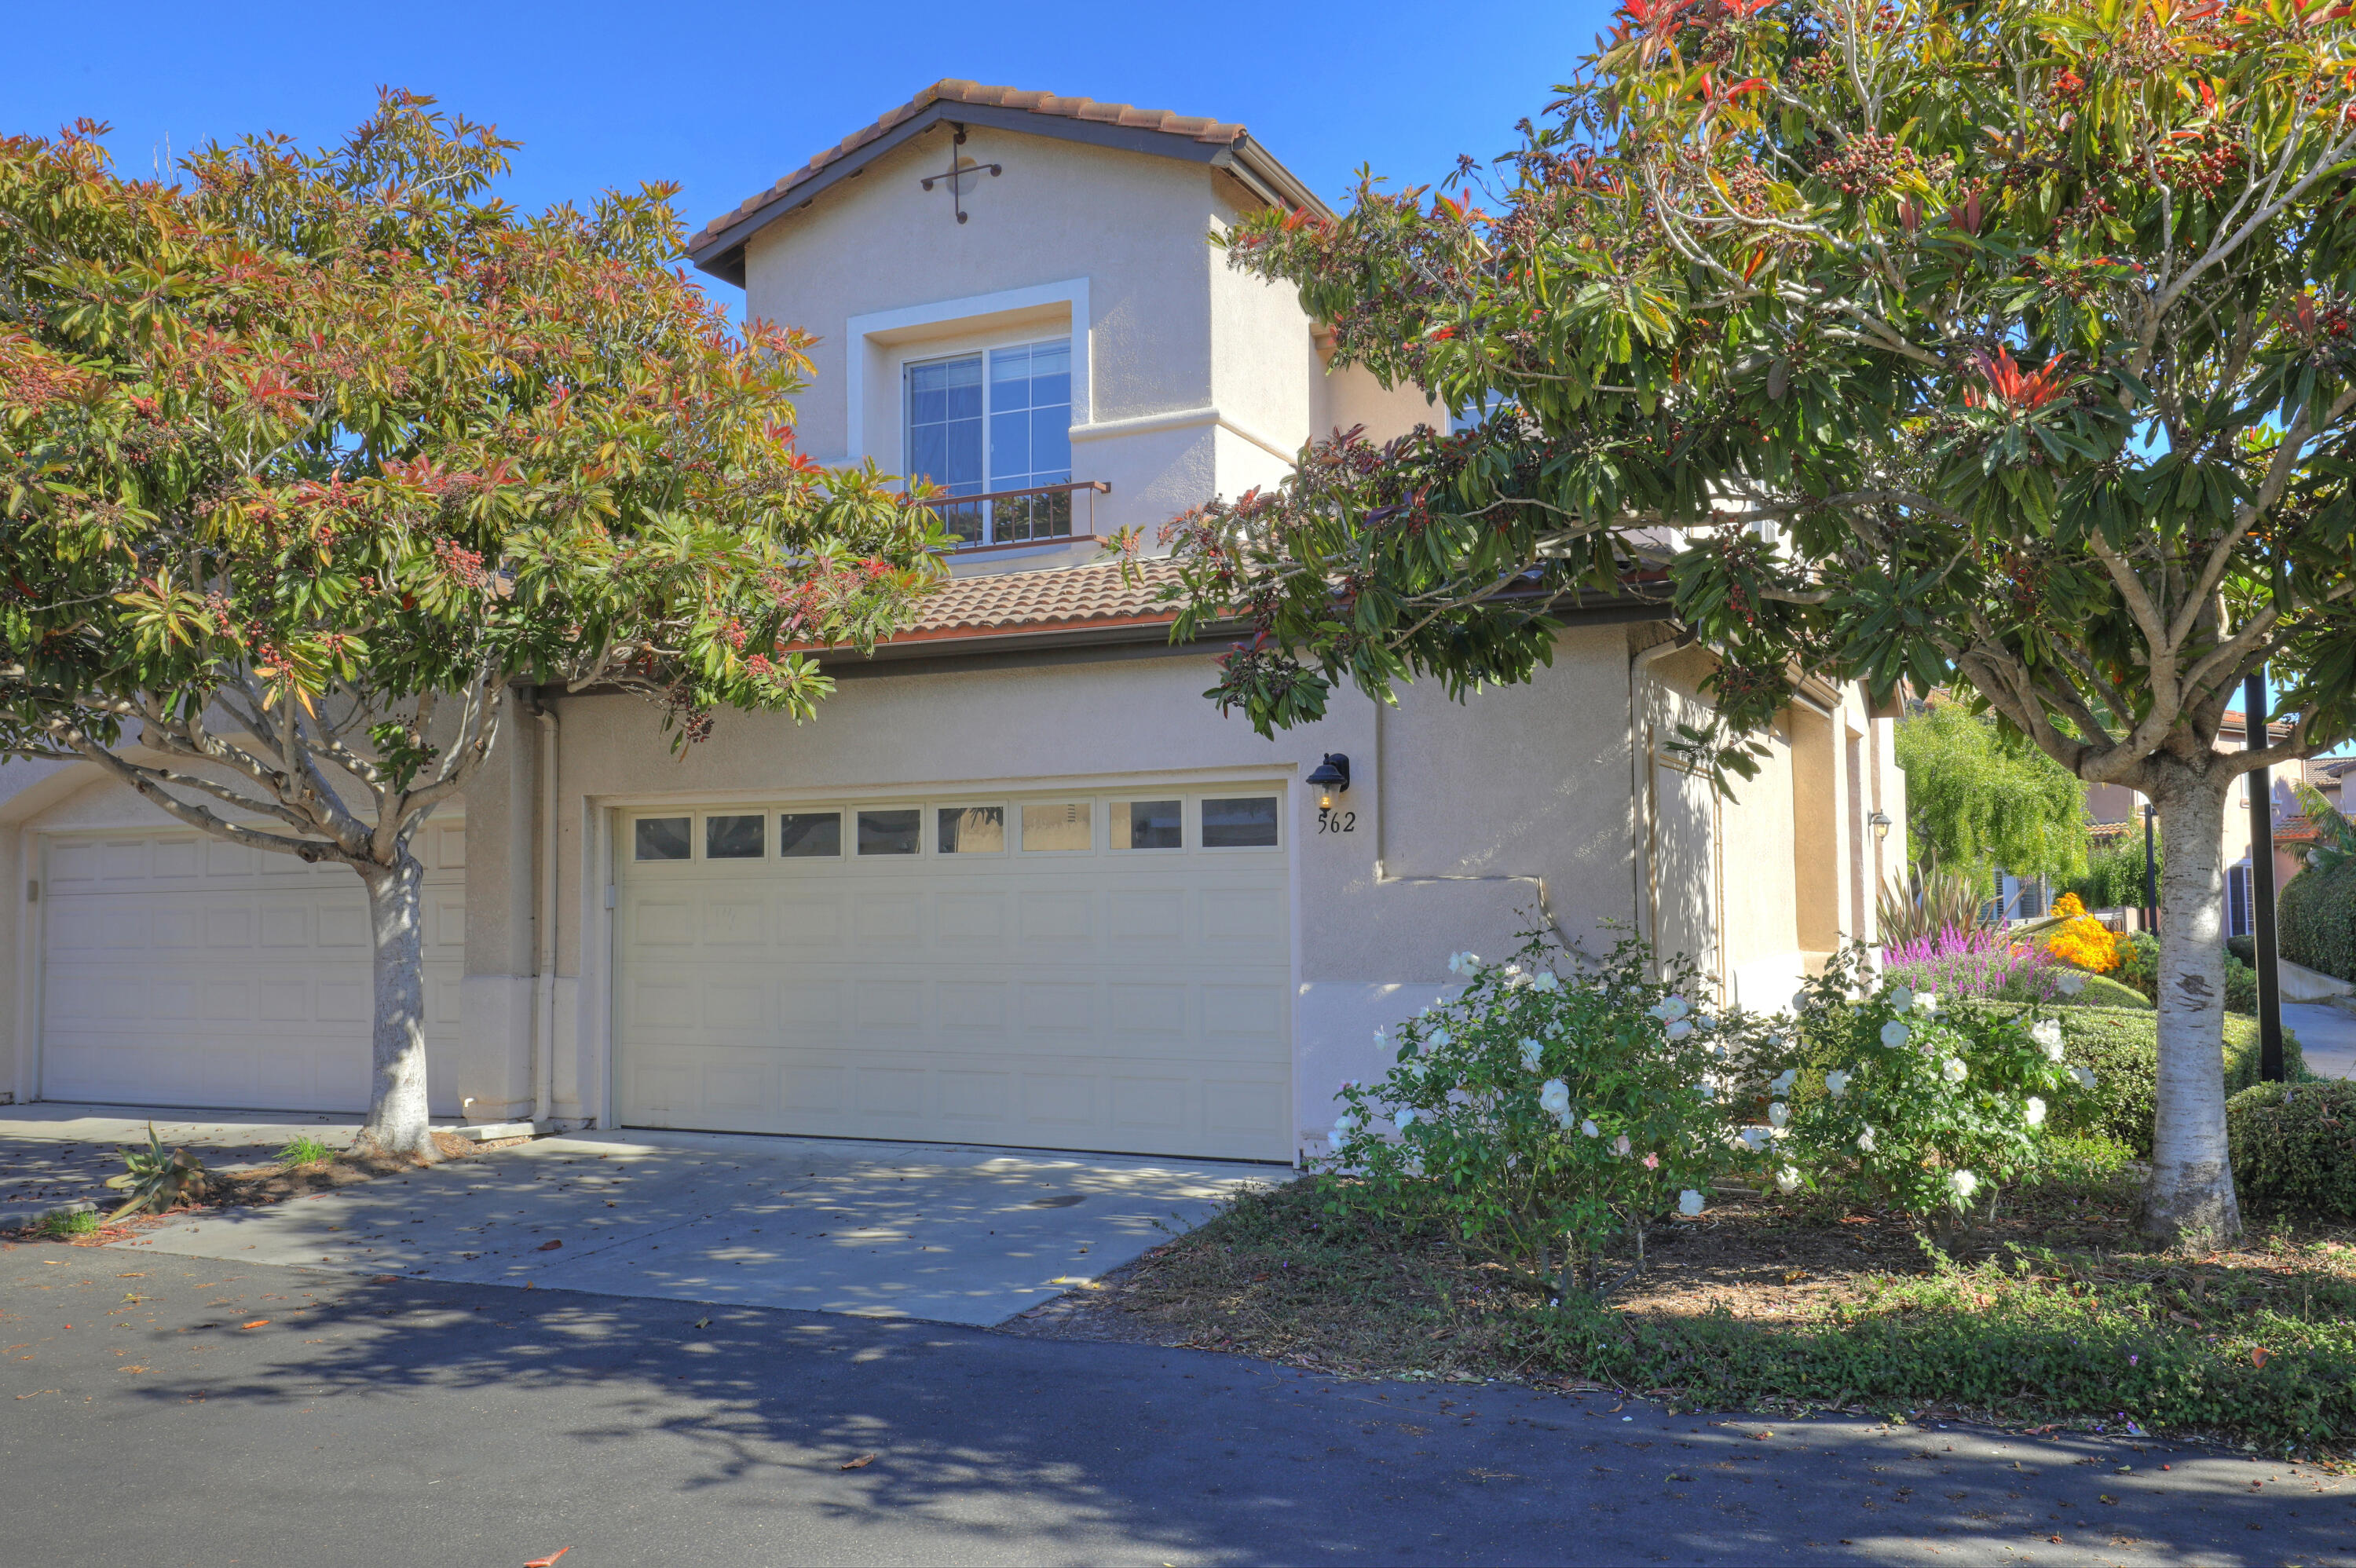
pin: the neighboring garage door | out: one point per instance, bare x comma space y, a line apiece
181, 969
1093, 971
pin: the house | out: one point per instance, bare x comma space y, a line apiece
2114, 812
1018, 883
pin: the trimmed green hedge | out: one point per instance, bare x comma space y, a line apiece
2295, 1146
2316, 920
2122, 1047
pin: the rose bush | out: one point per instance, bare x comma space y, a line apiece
1558, 1101
1931, 1110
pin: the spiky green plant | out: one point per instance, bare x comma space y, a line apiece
1945, 899
304, 1149
157, 1180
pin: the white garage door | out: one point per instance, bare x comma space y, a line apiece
1104, 971
180, 970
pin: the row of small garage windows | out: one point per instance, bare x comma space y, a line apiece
1237, 822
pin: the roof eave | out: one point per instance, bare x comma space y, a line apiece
722, 255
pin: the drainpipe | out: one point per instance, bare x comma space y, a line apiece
1640, 783
544, 999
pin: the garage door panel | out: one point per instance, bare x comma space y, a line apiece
180, 970
972, 1007
1082, 999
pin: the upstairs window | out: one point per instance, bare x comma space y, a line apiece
982, 424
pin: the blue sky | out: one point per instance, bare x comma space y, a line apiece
724, 98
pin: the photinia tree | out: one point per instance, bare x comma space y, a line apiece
1984, 343
307, 457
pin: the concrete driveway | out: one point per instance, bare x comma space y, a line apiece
954, 1235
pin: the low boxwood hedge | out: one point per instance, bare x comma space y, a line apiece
2295, 1146
2121, 1046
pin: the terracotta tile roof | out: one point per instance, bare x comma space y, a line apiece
950, 90
1062, 599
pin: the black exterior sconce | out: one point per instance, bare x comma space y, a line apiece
1331, 778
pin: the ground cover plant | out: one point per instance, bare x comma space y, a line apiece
2055, 1310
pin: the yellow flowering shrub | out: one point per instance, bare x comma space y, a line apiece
2085, 943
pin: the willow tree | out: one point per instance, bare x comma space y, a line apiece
1988, 343
303, 458
1977, 798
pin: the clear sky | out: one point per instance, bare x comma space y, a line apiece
724, 98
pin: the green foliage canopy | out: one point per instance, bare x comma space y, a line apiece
1979, 798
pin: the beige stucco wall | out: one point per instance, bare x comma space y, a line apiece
1190, 379
1461, 811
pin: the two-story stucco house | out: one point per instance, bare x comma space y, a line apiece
1019, 883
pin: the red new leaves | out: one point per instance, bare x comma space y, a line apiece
2009, 387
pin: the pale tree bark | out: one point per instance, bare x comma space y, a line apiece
397, 1118
2190, 1191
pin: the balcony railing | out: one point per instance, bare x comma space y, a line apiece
1022, 517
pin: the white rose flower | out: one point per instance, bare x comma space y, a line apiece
1678, 1029
1778, 1113
1754, 1137
2035, 1111
1901, 999
1953, 1070
1788, 1178
1404, 1119
1781, 1082
1416, 1068
2070, 981
1590, 1129
1865, 1140
1437, 1040
1531, 1053
1926, 1002
1676, 1006
1689, 1203
2047, 1032
1895, 1034
1622, 1146
1554, 1096
1344, 1126
1456, 962
1964, 1183
1836, 1082
2084, 1076
1546, 981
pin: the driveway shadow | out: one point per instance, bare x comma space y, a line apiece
461, 1424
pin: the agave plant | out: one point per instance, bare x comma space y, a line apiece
1947, 901
155, 1179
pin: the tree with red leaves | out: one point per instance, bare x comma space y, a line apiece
1995, 344
306, 458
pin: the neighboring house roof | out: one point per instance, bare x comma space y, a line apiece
2104, 832
719, 246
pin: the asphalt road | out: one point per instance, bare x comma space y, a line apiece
163, 1411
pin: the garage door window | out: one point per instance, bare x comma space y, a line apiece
1245, 823
1148, 824
1063, 826
973, 830
734, 838
664, 838
810, 835
889, 832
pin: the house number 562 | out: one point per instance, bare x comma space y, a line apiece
1332, 820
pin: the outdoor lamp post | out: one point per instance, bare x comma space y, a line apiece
2255, 733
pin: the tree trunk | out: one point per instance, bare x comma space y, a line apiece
2192, 1184
397, 1114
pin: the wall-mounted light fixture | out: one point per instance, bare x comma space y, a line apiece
1331, 778
1880, 820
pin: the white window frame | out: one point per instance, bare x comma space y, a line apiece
882, 341
992, 480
